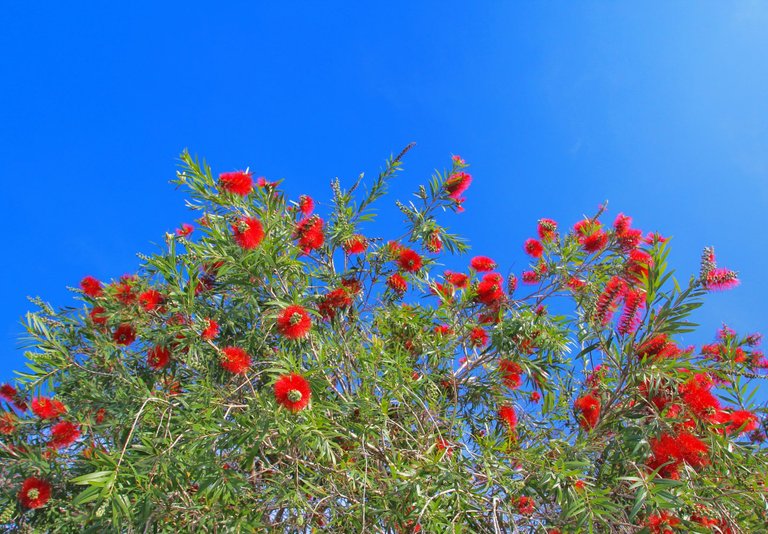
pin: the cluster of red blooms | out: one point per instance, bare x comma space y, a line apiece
743, 351
309, 233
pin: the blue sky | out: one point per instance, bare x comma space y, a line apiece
558, 106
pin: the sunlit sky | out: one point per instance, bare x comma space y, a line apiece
659, 108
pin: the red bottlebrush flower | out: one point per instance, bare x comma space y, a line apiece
97, 315
210, 330
7, 423
547, 229
124, 334
525, 505
235, 360
151, 300
535, 396
633, 303
352, 285
34, 493
443, 330
124, 293
91, 287
457, 280
444, 445
248, 232
576, 283
294, 322
490, 290
508, 416
63, 434
8, 392
457, 160
101, 414
713, 350
534, 248
337, 299
662, 523
579, 485
742, 421
309, 233
356, 244
511, 374
185, 230
482, 264
46, 408
721, 279
158, 357
588, 411
622, 223
692, 450
607, 301
444, 291
590, 235
293, 392
306, 205
531, 277
237, 182
478, 337
409, 260
698, 398
658, 347
397, 283
638, 264
456, 184
433, 243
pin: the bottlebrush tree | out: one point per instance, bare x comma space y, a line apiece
277, 369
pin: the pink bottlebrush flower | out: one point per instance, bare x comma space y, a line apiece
721, 279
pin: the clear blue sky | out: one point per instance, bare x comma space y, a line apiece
660, 108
